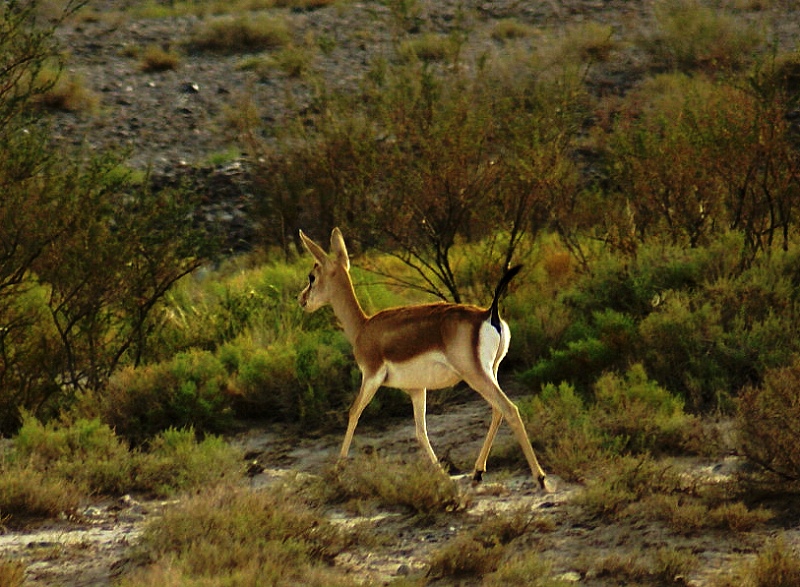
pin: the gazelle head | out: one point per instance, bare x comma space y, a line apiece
326, 277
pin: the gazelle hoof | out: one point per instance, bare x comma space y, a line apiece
477, 477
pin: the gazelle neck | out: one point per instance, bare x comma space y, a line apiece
348, 309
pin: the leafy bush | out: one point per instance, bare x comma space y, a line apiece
527, 569
465, 556
86, 453
605, 343
565, 438
625, 415
176, 462
636, 415
191, 390
54, 465
264, 381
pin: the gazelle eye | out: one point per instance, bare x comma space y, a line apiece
311, 278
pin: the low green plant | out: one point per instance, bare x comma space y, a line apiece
689, 515
525, 569
627, 480
66, 92
565, 438
626, 414
501, 528
295, 61
663, 566
426, 47
84, 453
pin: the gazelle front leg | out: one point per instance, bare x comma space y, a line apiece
480, 464
369, 386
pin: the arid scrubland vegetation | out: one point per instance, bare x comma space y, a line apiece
642, 159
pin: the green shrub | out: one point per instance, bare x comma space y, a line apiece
86, 453
190, 390
176, 462
623, 481
87, 458
567, 441
265, 381
427, 47
680, 341
510, 28
636, 415
605, 342
624, 415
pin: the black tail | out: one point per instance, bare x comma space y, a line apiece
494, 310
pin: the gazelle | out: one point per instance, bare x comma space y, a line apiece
416, 348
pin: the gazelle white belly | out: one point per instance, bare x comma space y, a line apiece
431, 370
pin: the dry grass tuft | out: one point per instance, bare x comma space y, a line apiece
234, 535
241, 34
777, 565
418, 486
465, 556
155, 58
12, 574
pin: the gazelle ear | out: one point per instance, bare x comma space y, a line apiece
313, 248
339, 249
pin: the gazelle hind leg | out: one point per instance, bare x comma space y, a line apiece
480, 464
491, 392
369, 386
419, 401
